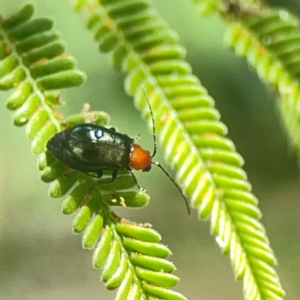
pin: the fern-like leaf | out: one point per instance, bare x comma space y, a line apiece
130, 255
133, 261
34, 63
209, 168
270, 41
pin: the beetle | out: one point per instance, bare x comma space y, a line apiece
91, 149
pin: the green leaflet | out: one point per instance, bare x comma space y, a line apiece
127, 289
73, 200
7, 65
23, 15
102, 249
82, 218
92, 233
95, 117
146, 248
62, 185
18, 98
118, 277
37, 41
39, 142
141, 233
152, 263
45, 52
127, 198
158, 278
162, 293
12, 79
26, 111
51, 170
36, 123
113, 261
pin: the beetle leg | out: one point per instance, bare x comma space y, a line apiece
99, 174
91, 175
113, 176
135, 179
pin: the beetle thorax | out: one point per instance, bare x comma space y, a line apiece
140, 159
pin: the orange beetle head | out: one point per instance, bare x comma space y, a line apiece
140, 159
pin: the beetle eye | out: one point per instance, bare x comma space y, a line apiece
147, 169
98, 133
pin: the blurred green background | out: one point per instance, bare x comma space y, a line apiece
40, 258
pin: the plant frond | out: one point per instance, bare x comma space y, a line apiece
190, 130
33, 62
130, 255
270, 41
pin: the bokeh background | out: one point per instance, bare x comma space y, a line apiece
40, 258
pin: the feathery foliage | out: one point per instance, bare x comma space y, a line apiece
209, 168
270, 41
34, 63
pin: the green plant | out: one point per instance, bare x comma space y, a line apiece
33, 62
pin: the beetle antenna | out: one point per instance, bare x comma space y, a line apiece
179, 189
153, 124
154, 152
